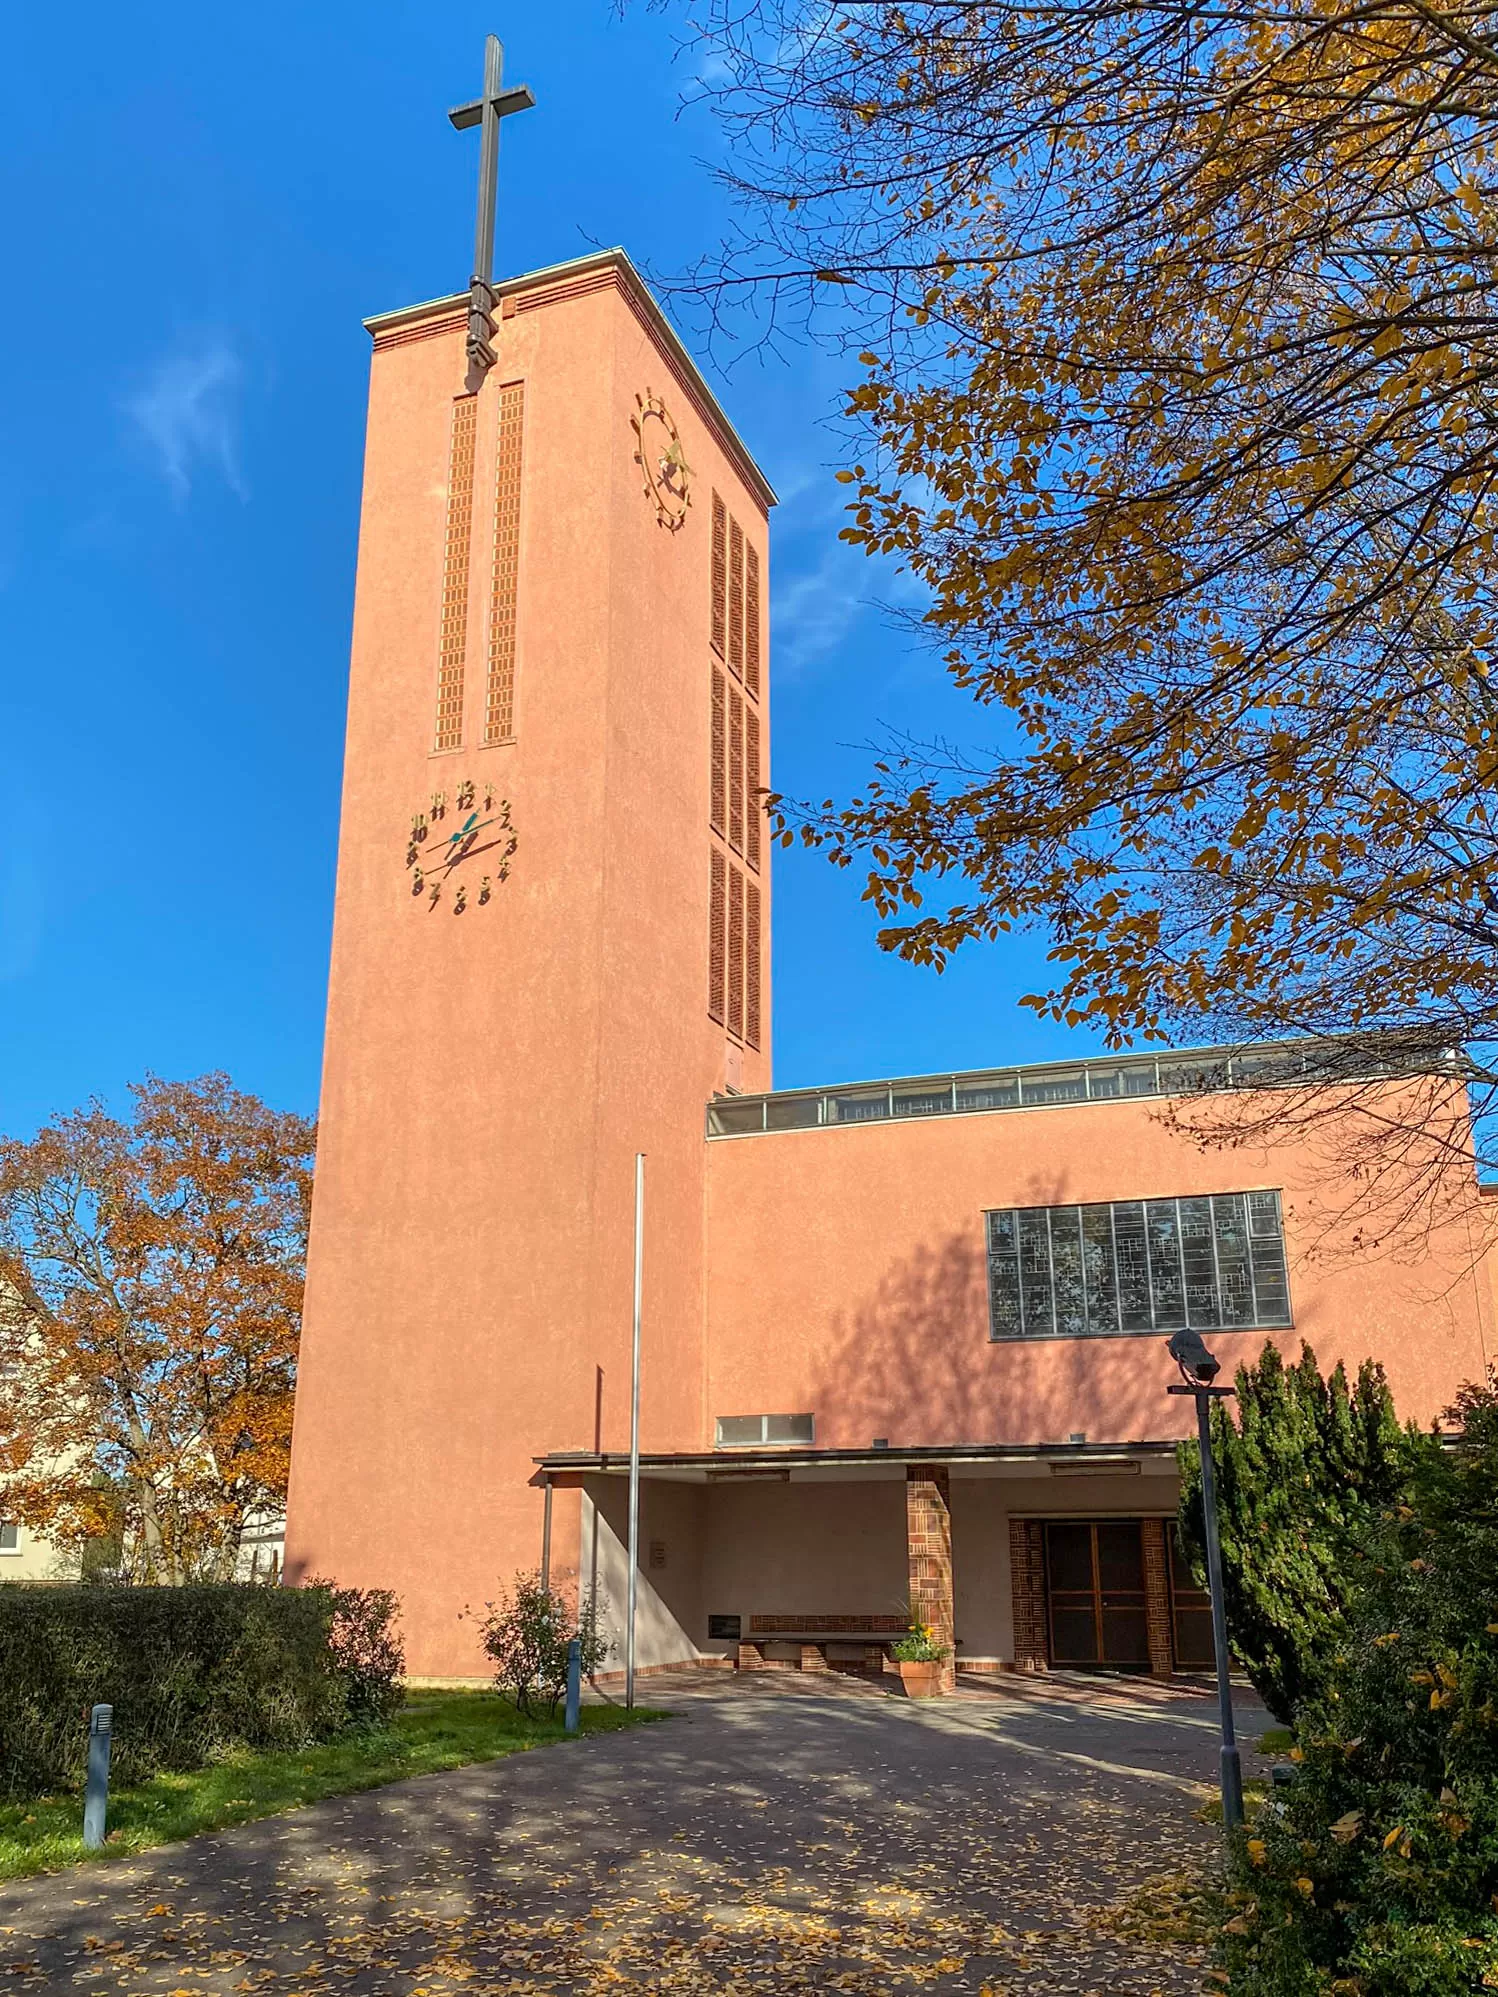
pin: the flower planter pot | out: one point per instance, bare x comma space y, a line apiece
921, 1681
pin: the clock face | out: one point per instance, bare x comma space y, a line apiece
459, 852
663, 466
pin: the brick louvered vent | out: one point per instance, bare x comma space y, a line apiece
452, 652
719, 619
751, 618
736, 769
717, 919
752, 946
736, 597
753, 809
499, 707
735, 951
736, 777
717, 806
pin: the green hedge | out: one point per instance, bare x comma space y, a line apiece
190, 1672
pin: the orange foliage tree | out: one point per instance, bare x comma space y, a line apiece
151, 1277
1179, 395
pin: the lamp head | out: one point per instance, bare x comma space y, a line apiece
1198, 1367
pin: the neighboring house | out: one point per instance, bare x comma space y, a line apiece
26, 1555
262, 1547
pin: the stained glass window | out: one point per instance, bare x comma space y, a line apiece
1208, 1261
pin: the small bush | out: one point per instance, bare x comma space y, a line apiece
367, 1653
190, 1672
526, 1634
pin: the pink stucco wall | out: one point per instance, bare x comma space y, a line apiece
489, 1077
871, 1310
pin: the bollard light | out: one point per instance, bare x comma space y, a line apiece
574, 1685
96, 1788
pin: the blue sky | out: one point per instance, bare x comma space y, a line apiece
201, 206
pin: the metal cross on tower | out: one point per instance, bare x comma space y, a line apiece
486, 112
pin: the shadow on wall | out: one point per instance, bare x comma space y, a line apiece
914, 1363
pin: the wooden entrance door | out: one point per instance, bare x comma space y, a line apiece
1095, 1602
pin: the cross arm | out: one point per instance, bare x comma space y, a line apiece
518, 98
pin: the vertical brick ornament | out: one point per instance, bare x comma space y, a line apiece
718, 776
928, 1540
735, 952
735, 597
753, 944
717, 926
735, 769
718, 623
452, 648
1027, 1586
751, 618
499, 704
1157, 1596
754, 811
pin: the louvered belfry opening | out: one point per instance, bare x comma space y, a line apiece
735, 813
717, 947
452, 650
499, 704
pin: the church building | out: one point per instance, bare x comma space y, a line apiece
903, 1344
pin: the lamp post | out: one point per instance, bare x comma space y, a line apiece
1198, 1371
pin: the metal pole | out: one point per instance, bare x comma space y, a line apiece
546, 1541
1232, 1766
574, 1685
96, 1788
634, 1437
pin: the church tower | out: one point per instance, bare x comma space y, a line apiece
551, 935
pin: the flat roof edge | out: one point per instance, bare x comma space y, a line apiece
782, 1459
644, 299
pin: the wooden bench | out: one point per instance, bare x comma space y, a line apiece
812, 1635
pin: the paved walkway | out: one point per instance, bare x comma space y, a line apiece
774, 1835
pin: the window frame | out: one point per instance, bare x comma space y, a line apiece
1013, 1265
764, 1440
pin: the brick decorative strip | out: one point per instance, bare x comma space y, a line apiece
928, 1529
1157, 1596
795, 1625
1027, 1582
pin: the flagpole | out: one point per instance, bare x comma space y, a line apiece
634, 1437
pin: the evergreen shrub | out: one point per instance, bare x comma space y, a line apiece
190, 1672
1303, 1472
1376, 1873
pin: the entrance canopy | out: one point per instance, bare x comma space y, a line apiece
1057, 1459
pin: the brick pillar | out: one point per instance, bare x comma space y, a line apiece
1027, 1582
928, 1540
1157, 1596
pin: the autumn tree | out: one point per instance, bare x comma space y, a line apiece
1179, 339
151, 1275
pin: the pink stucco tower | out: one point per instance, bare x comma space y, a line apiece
551, 937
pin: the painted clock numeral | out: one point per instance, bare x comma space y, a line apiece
433, 855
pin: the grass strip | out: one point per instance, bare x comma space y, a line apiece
434, 1730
